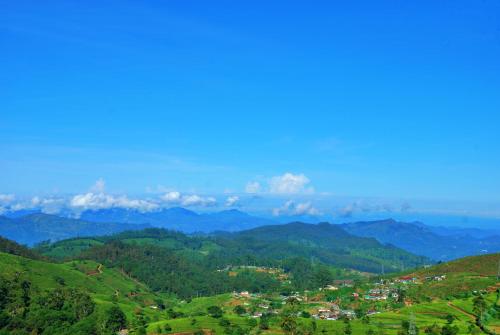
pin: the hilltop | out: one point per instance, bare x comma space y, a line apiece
483, 265
325, 242
458, 278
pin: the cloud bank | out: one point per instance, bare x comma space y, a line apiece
288, 183
291, 208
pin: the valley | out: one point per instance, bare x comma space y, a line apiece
293, 279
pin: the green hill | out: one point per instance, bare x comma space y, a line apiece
105, 285
324, 242
67, 248
461, 277
40, 297
14, 248
169, 261
483, 265
267, 245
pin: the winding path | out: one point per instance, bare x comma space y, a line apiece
471, 316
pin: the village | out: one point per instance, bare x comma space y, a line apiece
342, 299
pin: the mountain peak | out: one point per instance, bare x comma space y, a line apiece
181, 210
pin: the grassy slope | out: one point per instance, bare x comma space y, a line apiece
484, 265
462, 275
69, 248
101, 285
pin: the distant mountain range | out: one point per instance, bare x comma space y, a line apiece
437, 243
458, 231
33, 228
181, 219
30, 227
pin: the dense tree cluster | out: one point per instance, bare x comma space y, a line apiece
61, 311
164, 270
14, 248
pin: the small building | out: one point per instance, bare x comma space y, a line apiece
331, 288
344, 282
406, 279
245, 294
348, 313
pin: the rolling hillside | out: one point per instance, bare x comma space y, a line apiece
483, 265
128, 270
325, 242
73, 298
461, 277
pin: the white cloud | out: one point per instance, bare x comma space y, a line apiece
97, 199
6, 202
50, 205
405, 207
362, 206
171, 197
92, 200
139, 204
290, 184
252, 187
174, 197
232, 201
7, 198
196, 200
35, 201
283, 209
306, 208
348, 210
99, 186
290, 208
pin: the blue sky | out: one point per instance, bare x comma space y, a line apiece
366, 100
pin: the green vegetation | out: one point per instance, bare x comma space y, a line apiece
24, 310
13, 248
265, 246
161, 282
190, 266
323, 242
67, 248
